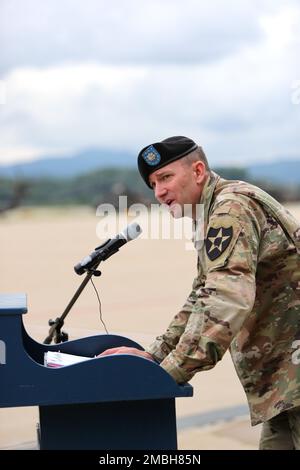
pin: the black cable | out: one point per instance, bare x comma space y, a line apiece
99, 306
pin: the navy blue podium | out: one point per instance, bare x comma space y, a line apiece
113, 402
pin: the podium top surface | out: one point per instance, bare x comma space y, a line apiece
16, 304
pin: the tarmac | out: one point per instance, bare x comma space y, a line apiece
234, 434
141, 289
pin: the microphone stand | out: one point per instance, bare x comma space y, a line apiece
89, 265
56, 325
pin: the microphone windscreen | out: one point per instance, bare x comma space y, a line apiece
132, 231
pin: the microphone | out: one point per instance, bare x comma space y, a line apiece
108, 248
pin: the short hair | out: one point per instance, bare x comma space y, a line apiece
195, 156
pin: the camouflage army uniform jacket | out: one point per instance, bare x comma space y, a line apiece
246, 297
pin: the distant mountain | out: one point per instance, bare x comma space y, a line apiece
285, 172
65, 167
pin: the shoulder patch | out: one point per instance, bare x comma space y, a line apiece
217, 240
222, 233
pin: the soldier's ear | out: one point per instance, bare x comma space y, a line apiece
199, 171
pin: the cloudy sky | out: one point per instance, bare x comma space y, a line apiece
77, 74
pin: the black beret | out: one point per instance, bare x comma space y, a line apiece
160, 154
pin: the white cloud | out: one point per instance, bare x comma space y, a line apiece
238, 106
47, 33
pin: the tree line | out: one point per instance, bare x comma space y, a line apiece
105, 186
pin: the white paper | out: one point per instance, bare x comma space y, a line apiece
56, 359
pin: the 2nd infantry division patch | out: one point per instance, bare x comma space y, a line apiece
217, 240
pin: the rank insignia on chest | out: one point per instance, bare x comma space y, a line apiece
217, 240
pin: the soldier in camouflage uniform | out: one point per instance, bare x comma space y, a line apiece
245, 296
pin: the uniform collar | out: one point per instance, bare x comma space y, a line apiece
207, 193
205, 203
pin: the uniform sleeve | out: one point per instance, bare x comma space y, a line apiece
165, 343
226, 299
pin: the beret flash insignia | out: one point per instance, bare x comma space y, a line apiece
151, 156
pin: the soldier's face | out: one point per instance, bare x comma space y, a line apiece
179, 186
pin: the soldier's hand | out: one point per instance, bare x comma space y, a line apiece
126, 350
